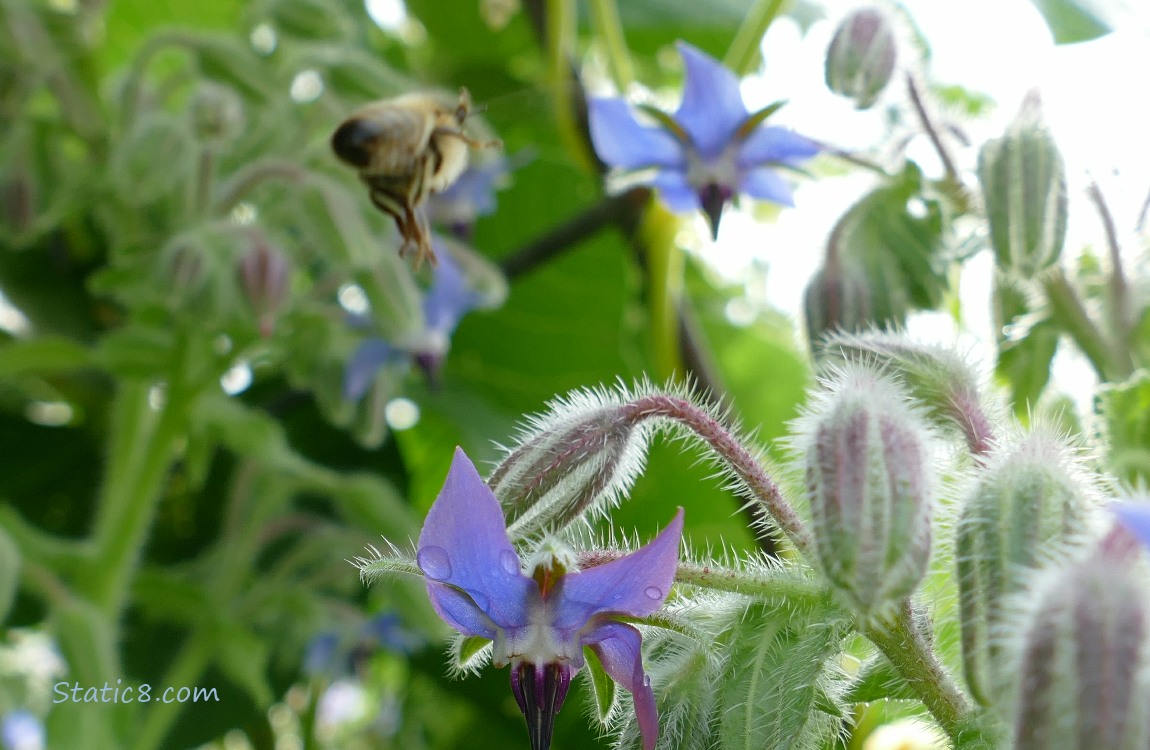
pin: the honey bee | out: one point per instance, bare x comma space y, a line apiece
404, 149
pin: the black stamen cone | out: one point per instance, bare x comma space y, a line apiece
540, 692
713, 197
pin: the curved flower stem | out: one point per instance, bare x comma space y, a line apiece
904, 645
744, 47
133, 79
760, 487
928, 125
698, 361
605, 20
1119, 299
1069, 312
240, 184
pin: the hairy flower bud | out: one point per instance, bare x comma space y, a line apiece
837, 299
1024, 188
1021, 510
937, 377
869, 484
861, 57
586, 447
217, 114
1079, 676
264, 273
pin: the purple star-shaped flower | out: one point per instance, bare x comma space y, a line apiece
447, 300
710, 150
539, 623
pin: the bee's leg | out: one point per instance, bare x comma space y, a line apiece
399, 211
423, 230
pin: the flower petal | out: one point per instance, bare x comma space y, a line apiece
471, 567
371, 355
776, 146
1136, 518
634, 585
676, 192
712, 108
619, 648
449, 297
766, 185
622, 142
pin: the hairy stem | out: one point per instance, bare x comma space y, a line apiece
928, 125
1119, 299
760, 487
907, 649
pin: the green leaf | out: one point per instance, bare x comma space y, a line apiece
1027, 347
136, 352
9, 572
39, 355
604, 687
1125, 411
773, 682
877, 680
895, 234
1074, 20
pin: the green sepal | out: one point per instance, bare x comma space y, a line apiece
877, 679
604, 688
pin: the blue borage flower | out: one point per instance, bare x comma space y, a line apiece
21, 730
539, 622
1135, 517
447, 300
710, 150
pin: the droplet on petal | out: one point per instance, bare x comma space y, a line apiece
434, 563
510, 562
653, 593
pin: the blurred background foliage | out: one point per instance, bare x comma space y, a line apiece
182, 476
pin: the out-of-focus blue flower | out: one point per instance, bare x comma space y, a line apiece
335, 653
1135, 517
539, 623
21, 730
445, 303
708, 152
470, 196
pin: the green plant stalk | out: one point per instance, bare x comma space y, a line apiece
665, 268
562, 34
908, 650
142, 452
741, 54
189, 664
605, 21
1068, 311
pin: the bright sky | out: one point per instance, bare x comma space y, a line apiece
1093, 103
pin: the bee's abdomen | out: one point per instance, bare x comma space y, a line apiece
383, 139
354, 142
